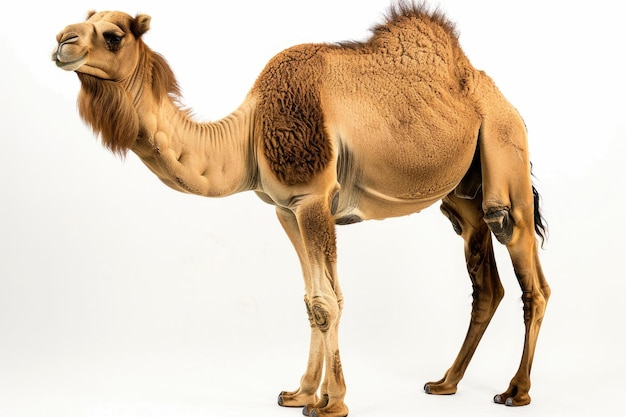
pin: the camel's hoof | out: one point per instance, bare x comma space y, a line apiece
511, 401
436, 388
337, 411
314, 413
295, 399
322, 408
498, 399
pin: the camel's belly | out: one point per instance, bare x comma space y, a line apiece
398, 179
367, 204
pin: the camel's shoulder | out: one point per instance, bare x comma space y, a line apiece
289, 115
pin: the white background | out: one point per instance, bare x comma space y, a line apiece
120, 297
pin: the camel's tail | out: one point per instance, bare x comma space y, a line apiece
541, 227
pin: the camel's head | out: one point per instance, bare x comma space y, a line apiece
106, 45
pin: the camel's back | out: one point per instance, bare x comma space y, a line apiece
413, 40
412, 64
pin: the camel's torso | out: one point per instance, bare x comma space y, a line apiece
402, 127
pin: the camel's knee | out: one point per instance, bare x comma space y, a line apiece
535, 304
500, 223
546, 291
321, 313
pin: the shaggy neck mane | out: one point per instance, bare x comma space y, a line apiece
109, 107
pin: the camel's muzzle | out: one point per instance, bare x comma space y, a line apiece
68, 54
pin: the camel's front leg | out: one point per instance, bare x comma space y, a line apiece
306, 393
333, 389
310, 382
312, 232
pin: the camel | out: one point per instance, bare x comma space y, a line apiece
333, 134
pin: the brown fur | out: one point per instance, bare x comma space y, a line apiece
403, 11
290, 116
108, 109
161, 76
107, 105
316, 219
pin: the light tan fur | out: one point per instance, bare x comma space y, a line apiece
334, 134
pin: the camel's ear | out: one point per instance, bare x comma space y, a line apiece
141, 24
90, 13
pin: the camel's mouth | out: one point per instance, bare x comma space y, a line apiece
68, 55
69, 65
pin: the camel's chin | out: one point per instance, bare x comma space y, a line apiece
81, 66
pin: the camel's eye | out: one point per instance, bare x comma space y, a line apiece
113, 40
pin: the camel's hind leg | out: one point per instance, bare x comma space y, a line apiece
511, 212
467, 218
535, 294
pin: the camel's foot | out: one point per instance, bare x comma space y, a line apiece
325, 408
441, 387
515, 396
296, 399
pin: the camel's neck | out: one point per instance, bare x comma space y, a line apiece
209, 159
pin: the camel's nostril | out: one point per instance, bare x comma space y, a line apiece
68, 37
72, 39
